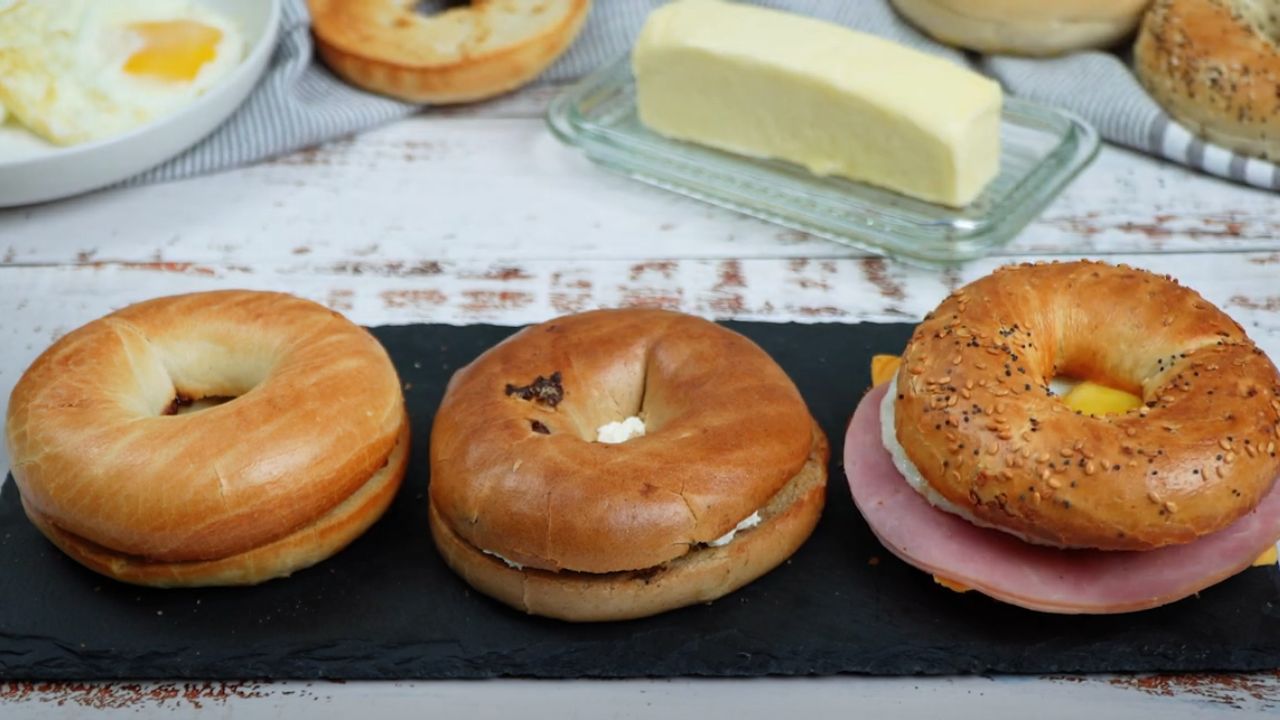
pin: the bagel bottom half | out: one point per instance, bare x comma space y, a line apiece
304, 547
701, 575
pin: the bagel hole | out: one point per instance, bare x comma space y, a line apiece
435, 7
184, 405
1093, 397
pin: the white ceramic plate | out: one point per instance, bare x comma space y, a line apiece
32, 170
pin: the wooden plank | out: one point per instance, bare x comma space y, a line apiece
458, 186
373, 291
1002, 698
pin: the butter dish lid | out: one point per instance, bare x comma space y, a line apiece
1042, 150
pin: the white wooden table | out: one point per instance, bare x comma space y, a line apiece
479, 215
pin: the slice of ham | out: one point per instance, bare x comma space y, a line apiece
1032, 576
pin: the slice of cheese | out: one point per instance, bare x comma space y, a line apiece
771, 84
883, 368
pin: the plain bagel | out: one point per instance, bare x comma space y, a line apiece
975, 417
306, 450
466, 53
1214, 65
1025, 27
528, 507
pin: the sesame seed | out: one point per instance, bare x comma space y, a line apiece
1035, 497
957, 360
916, 369
1221, 473
1044, 474
1066, 452
1171, 506
1077, 445
1249, 449
1005, 435
1090, 468
1130, 432
1153, 497
1144, 410
992, 449
1055, 483
1230, 458
1225, 444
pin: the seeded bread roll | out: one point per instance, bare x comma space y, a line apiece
975, 416
1215, 67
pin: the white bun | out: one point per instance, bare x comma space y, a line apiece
1025, 27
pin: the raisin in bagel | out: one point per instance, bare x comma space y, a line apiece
1024, 27
465, 53
306, 454
985, 438
529, 507
1215, 67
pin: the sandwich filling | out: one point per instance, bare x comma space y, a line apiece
909, 471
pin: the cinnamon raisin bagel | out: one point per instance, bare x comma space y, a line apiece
976, 419
1215, 67
475, 51
536, 502
302, 448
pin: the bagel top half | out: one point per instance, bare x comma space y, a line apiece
518, 474
98, 451
975, 415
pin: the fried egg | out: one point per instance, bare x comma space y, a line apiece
74, 71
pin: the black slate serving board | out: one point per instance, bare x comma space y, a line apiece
387, 607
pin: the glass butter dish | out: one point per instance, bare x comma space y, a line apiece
1042, 149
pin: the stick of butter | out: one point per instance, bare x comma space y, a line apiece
770, 84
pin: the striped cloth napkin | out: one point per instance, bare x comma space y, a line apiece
299, 103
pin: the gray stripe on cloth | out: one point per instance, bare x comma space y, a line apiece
1195, 153
1156, 132
299, 103
1236, 169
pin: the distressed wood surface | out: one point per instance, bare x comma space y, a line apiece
478, 215
504, 188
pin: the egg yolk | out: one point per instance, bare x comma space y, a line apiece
1098, 400
172, 50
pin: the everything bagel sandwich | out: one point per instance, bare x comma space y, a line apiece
1073, 438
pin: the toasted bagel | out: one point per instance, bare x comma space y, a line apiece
307, 452
460, 55
518, 478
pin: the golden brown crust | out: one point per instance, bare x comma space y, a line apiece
702, 575
1215, 67
726, 430
975, 416
460, 55
1025, 27
301, 549
317, 411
